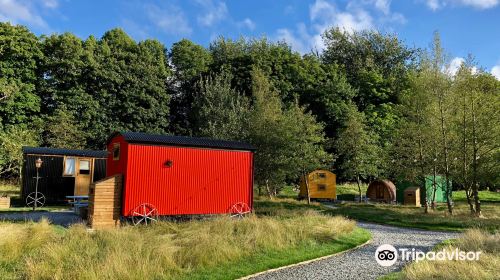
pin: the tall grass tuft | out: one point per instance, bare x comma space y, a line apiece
487, 267
166, 250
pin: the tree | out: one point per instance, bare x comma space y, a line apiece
357, 146
12, 140
190, 62
63, 86
476, 120
63, 131
128, 81
441, 92
413, 146
222, 112
288, 140
19, 57
377, 66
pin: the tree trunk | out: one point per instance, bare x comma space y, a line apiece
444, 141
359, 187
434, 187
465, 180
422, 171
306, 181
475, 155
269, 193
469, 195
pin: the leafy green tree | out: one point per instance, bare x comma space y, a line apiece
222, 112
190, 62
64, 86
63, 131
477, 124
19, 56
276, 60
12, 139
377, 66
288, 140
128, 80
357, 146
413, 146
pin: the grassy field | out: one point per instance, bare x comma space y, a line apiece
487, 267
404, 216
281, 233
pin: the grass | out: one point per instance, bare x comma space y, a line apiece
281, 233
10, 188
472, 240
484, 196
405, 216
42, 209
351, 188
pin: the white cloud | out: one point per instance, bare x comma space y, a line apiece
383, 5
51, 4
495, 71
478, 4
433, 4
213, 12
248, 23
170, 19
357, 15
454, 66
24, 12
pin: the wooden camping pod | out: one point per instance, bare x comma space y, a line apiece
322, 185
381, 191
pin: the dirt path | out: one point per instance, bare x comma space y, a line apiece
360, 263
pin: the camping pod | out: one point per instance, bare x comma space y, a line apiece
177, 175
381, 191
431, 187
321, 183
62, 172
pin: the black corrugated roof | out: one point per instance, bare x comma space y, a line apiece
64, 152
170, 140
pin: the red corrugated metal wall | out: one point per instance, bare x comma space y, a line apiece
114, 167
200, 181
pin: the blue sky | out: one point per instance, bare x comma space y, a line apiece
466, 26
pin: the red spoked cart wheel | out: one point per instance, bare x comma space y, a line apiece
239, 210
145, 213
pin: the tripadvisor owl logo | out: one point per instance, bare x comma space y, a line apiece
386, 255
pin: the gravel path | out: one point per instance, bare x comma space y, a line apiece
62, 217
360, 263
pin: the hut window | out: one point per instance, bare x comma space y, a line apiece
321, 187
69, 166
322, 175
116, 151
85, 166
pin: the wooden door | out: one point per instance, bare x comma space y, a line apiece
83, 177
380, 192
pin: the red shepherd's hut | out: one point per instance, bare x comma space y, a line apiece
181, 175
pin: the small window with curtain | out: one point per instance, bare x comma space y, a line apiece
69, 166
321, 187
116, 151
84, 166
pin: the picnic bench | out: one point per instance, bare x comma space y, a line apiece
78, 201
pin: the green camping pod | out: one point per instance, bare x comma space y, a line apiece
440, 183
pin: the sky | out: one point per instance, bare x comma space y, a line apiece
466, 26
